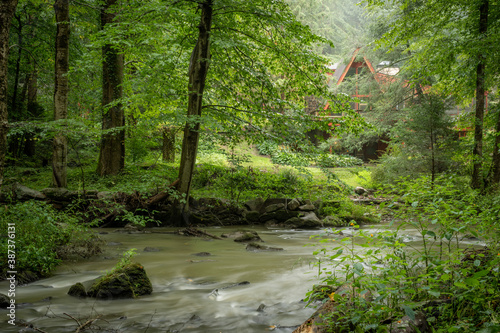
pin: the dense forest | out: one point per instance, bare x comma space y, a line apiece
376, 124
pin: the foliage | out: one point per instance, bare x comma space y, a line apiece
337, 161
267, 147
124, 261
432, 272
40, 233
284, 156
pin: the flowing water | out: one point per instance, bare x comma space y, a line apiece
183, 284
183, 298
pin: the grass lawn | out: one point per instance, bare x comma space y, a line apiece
153, 173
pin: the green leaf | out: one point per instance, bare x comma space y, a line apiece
358, 268
446, 277
409, 312
481, 273
477, 262
473, 282
434, 293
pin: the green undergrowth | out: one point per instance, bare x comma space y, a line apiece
234, 174
40, 238
441, 268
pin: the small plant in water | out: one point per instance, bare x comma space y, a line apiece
125, 260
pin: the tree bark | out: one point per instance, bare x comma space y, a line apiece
14, 110
168, 148
60, 141
198, 69
112, 151
32, 110
7, 9
477, 179
495, 167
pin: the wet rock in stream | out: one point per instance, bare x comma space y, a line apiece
77, 290
202, 254
127, 282
243, 236
256, 247
151, 249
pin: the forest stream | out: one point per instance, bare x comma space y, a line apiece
184, 297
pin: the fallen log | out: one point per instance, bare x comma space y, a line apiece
194, 232
162, 196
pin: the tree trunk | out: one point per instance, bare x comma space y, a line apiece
14, 111
60, 142
168, 148
7, 9
112, 151
198, 69
495, 167
33, 109
477, 180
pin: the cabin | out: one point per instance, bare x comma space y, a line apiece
384, 74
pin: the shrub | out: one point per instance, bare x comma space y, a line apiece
430, 272
286, 157
337, 161
40, 232
267, 147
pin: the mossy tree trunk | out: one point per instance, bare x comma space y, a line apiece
495, 169
33, 110
198, 69
7, 9
60, 141
168, 148
112, 150
477, 181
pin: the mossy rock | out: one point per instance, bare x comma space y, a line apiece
128, 282
77, 290
334, 221
243, 236
252, 216
364, 219
256, 247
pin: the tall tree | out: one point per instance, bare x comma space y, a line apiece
7, 9
477, 180
60, 142
453, 42
245, 60
198, 70
112, 150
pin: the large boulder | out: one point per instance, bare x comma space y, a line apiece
294, 204
252, 216
127, 282
280, 215
307, 207
334, 221
255, 204
274, 207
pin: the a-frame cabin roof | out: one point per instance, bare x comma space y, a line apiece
342, 70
